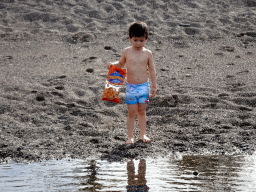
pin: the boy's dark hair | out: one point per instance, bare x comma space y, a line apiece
138, 29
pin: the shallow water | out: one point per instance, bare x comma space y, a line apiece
215, 173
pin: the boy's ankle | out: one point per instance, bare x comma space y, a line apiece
145, 139
130, 141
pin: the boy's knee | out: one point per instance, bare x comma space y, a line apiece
132, 113
142, 111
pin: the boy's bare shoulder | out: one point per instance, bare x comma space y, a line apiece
127, 48
147, 51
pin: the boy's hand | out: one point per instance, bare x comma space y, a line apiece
153, 91
109, 65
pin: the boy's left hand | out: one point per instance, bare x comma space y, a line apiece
153, 91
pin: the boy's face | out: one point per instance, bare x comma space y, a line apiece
138, 42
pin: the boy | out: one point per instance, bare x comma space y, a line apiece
137, 60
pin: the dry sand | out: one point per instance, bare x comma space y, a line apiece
53, 58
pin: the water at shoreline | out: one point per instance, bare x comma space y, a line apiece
186, 173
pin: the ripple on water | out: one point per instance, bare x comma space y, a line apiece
214, 173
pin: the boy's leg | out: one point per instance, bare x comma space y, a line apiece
131, 173
141, 109
130, 122
142, 173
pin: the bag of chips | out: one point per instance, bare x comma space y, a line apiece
114, 82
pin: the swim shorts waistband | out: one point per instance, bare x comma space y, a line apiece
146, 83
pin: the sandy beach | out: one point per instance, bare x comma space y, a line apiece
53, 57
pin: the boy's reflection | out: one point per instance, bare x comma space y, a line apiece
137, 183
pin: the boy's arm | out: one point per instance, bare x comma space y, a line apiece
152, 70
120, 63
152, 74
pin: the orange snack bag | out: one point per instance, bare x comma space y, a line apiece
114, 82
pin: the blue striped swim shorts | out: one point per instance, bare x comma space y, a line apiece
137, 93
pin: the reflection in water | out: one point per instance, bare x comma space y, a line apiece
136, 182
90, 180
214, 173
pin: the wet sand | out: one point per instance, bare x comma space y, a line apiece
53, 57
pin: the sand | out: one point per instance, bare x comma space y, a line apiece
53, 57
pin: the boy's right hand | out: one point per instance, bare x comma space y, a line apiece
153, 91
109, 65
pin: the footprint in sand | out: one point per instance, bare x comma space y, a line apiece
109, 48
89, 59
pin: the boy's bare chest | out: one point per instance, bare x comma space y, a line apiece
135, 59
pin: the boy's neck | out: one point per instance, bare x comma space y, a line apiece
137, 50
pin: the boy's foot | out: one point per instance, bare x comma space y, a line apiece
130, 141
145, 139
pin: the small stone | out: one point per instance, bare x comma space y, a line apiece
86, 124
245, 109
86, 38
230, 76
60, 88
60, 103
251, 34
75, 37
107, 48
228, 48
40, 98
67, 128
184, 25
95, 141
3, 145
231, 49
89, 70
70, 105
195, 173
240, 35
19, 149
223, 95
219, 54
62, 77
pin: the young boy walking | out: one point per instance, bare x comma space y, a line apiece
138, 61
